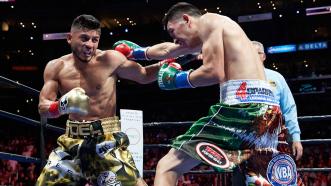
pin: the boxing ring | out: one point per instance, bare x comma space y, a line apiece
44, 126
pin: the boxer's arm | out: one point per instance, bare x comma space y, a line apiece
75, 101
157, 52
168, 50
212, 70
49, 91
134, 71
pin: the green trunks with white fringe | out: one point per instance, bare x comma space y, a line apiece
247, 119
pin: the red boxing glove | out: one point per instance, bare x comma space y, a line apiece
170, 60
171, 63
131, 50
124, 49
54, 109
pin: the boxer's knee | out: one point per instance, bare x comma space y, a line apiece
162, 165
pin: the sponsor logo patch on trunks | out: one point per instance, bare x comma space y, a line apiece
213, 155
245, 93
282, 170
108, 178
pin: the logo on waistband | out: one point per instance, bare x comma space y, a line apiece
242, 91
108, 178
254, 93
213, 155
282, 171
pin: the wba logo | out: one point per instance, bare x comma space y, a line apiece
282, 171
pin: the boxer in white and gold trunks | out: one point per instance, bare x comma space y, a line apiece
93, 150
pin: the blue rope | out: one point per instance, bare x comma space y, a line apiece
20, 86
22, 119
19, 158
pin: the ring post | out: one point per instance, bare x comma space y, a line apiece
43, 122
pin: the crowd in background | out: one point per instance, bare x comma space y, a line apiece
24, 54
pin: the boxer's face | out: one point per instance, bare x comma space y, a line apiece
84, 43
181, 32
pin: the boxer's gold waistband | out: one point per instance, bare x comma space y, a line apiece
83, 129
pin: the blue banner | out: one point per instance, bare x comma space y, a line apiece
313, 46
297, 47
281, 49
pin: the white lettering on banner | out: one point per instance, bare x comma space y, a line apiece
132, 125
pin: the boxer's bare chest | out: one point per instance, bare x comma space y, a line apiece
91, 77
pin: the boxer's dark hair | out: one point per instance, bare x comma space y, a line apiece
177, 10
86, 22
